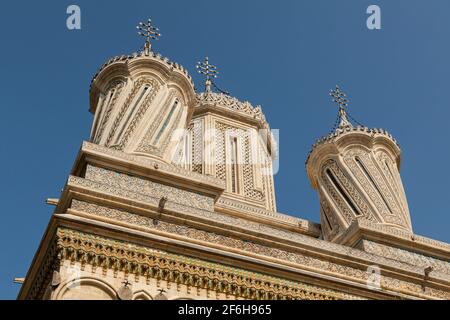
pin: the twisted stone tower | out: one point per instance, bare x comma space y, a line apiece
139, 101
356, 172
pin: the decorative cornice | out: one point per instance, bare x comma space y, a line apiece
231, 107
192, 213
220, 100
127, 58
301, 241
308, 227
150, 263
111, 156
328, 264
391, 235
336, 135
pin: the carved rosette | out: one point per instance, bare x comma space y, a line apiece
356, 172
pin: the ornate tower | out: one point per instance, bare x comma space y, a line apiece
231, 140
355, 171
141, 102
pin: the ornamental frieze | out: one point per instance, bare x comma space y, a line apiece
303, 239
145, 262
309, 262
148, 187
146, 162
389, 210
406, 256
231, 103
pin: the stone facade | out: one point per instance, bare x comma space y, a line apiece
173, 198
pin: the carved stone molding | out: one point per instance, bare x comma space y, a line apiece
308, 261
108, 154
126, 58
231, 103
144, 262
130, 125
148, 188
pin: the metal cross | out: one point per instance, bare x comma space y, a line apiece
161, 291
339, 97
209, 71
126, 283
149, 32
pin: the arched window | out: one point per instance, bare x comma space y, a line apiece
342, 192
104, 108
234, 164
234, 168
374, 184
166, 122
133, 108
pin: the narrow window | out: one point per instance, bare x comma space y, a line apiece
110, 97
102, 110
363, 168
166, 122
186, 145
327, 221
134, 107
342, 192
107, 101
389, 170
234, 164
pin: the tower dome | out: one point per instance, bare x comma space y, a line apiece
356, 172
140, 100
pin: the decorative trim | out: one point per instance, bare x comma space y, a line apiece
294, 256
148, 187
340, 132
128, 58
351, 191
231, 103
396, 216
118, 87
142, 109
150, 163
150, 263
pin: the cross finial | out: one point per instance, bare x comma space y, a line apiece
209, 71
148, 31
161, 291
339, 97
126, 283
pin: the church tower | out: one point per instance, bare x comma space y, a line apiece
140, 101
356, 172
231, 140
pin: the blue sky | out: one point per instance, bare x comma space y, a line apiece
284, 55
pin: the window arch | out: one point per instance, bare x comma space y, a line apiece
234, 163
334, 181
86, 288
166, 122
142, 295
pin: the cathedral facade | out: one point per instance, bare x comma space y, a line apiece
173, 198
